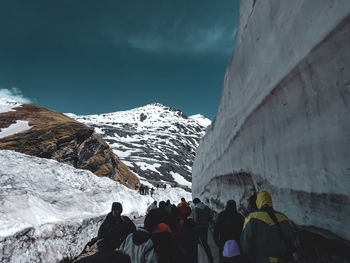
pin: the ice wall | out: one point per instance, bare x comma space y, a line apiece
283, 122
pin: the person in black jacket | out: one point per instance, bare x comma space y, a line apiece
228, 226
114, 229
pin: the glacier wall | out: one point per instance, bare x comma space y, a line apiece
283, 123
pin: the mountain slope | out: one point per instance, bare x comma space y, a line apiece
37, 131
156, 142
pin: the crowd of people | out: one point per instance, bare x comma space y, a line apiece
146, 190
173, 233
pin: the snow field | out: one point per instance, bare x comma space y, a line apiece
51, 201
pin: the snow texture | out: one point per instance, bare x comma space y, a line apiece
283, 119
8, 105
19, 126
156, 142
50, 210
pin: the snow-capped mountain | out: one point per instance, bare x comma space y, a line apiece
50, 210
156, 142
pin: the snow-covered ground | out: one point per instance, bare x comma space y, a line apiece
49, 210
19, 126
7, 105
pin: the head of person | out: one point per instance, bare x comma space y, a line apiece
196, 201
155, 202
231, 206
264, 200
151, 221
168, 202
183, 199
162, 205
117, 209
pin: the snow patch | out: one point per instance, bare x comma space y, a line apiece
7, 105
19, 126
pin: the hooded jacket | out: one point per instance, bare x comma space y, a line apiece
139, 246
112, 232
261, 239
228, 226
184, 209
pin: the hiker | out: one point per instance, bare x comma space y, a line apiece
141, 189
139, 245
252, 203
188, 242
152, 206
267, 235
228, 227
152, 191
114, 229
184, 209
163, 213
174, 221
164, 244
164, 186
201, 216
168, 206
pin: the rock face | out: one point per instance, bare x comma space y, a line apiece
283, 123
156, 142
56, 136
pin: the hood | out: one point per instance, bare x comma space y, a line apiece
140, 236
162, 228
264, 200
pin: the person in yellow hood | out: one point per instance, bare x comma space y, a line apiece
268, 235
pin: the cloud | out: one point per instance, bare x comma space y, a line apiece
15, 94
194, 40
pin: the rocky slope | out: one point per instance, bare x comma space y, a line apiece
283, 119
52, 135
156, 142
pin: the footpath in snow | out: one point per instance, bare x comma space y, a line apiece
49, 211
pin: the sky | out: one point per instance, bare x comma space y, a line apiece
88, 57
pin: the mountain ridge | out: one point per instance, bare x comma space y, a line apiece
157, 142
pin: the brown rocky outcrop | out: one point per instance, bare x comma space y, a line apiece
56, 136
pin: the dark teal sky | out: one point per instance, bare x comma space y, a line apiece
87, 57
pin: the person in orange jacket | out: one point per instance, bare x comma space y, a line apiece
184, 209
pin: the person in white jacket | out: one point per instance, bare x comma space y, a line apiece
151, 207
139, 245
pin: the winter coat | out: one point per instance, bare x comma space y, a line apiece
228, 226
188, 242
261, 240
139, 246
163, 243
112, 232
151, 207
184, 210
201, 215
